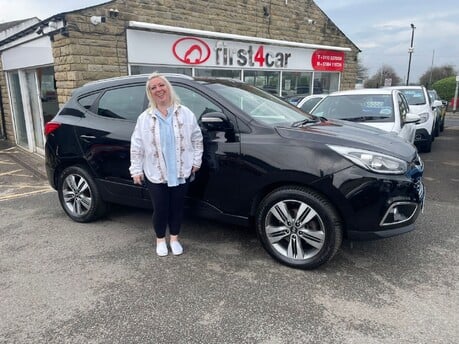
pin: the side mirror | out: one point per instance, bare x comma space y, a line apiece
437, 103
215, 121
412, 118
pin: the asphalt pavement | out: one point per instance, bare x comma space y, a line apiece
67, 282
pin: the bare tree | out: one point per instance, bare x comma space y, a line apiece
385, 75
434, 74
362, 71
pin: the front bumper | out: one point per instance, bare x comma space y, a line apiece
380, 206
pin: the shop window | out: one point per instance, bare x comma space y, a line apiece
123, 103
266, 80
325, 82
139, 69
219, 73
296, 83
48, 95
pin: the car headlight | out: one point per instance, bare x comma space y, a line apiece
372, 161
424, 117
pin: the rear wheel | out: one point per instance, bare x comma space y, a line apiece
79, 196
299, 227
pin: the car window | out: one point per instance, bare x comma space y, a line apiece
309, 104
414, 96
403, 107
123, 103
88, 100
359, 107
195, 101
259, 105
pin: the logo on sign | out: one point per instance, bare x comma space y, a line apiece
191, 50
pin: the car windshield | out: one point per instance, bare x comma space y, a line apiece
259, 105
358, 108
414, 96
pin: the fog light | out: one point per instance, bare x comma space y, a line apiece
399, 212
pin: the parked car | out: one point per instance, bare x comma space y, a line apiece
303, 182
439, 106
380, 108
308, 103
295, 99
419, 102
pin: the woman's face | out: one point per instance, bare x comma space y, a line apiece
159, 91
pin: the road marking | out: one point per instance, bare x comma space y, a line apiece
9, 197
10, 172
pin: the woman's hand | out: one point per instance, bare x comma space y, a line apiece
138, 179
194, 169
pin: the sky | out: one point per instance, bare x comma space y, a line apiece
380, 28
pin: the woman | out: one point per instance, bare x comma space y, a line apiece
166, 149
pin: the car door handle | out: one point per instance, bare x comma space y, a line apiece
87, 138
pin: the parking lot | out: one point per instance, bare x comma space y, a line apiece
63, 281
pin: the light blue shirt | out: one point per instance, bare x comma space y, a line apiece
166, 132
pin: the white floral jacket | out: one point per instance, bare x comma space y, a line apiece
146, 155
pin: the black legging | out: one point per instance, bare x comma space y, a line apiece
168, 203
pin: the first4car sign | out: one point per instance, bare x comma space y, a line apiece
173, 49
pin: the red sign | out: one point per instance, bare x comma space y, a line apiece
328, 60
191, 50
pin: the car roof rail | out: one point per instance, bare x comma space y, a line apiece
172, 75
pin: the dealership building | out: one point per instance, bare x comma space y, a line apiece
285, 47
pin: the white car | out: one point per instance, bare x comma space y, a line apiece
307, 103
419, 101
380, 108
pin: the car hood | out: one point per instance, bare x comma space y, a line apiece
386, 126
349, 134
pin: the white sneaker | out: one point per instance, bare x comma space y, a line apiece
161, 249
177, 249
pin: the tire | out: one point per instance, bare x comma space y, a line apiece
427, 146
442, 124
305, 245
437, 129
79, 195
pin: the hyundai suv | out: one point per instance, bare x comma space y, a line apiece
303, 182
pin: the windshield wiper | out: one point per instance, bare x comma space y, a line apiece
364, 118
302, 122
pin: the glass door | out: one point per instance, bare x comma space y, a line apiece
34, 102
19, 121
35, 111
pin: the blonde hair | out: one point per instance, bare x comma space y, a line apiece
175, 100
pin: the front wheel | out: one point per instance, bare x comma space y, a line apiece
79, 196
299, 227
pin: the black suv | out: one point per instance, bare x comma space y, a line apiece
304, 182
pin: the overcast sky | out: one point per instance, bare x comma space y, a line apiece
380, 28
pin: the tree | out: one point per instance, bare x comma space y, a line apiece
362, 71
379, 79
445, 87
434, 74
